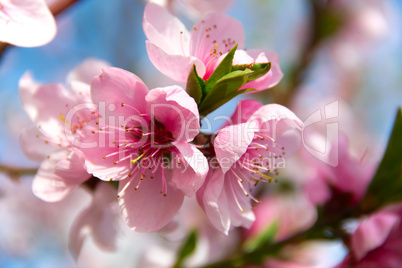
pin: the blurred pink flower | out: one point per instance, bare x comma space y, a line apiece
292, 213
96, 220
377, 241
142, 140
350, 176
59, 113
173, 50
246, 153
26, 23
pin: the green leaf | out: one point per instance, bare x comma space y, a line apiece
224, 90
223, 69
186, 249
259, 69
262, 239
195, 85
386, 186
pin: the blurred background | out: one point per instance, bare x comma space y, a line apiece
348, 52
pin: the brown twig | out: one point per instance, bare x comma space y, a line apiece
16, 172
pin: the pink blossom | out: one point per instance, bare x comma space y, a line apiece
350, 176
291, 212
377, 241
173, 50
142, 140
96, 220
58, 113
26, 23
247, 153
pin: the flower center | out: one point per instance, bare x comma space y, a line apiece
148, 149
261, 160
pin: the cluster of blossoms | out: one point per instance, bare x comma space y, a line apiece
106, 125
145, 149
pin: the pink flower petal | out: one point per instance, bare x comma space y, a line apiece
281, 124
47, 115
33, 145
241, 212
175, 66
101, 152
189, 176
146, 209
72, 169
218, 33
349, 175
26, 23
27, 88
87, 70
293, 214
48, 185
176, 110
165, 30
231, 143
276, 112
372, 233
272, 77
244, 111
114, 87
215, 202
99, 219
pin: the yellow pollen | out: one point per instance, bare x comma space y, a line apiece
129, 175
111, 179
115, 162
195, 29
133, 161
104, 157
122, 104
265, 176
118, 196
93, 132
